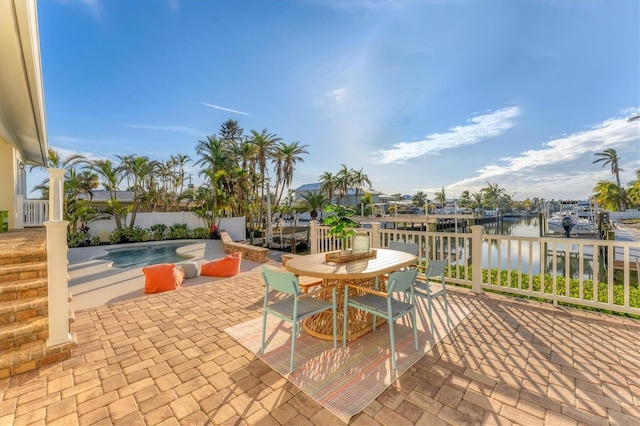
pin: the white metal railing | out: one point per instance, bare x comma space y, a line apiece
537, 267
35, 212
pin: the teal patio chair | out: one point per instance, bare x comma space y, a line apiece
384, 305
411, 248
295, 306
435, 268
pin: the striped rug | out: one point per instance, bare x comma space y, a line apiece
345, 381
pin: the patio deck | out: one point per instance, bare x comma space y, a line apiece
164, 359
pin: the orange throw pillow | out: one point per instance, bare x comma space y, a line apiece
228, 266
162, 277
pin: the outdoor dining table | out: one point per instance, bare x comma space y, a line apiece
364, 272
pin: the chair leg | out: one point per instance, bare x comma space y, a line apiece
264, 330
345, 317
430, 304
415, 327
393, 343
294, 331
335, 321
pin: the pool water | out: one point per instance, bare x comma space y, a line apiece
143, 256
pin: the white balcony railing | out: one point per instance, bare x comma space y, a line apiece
35, 212
537, 267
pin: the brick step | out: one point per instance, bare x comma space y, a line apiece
34, 355
16, 334
10, 257
23, 309
23, 271
12, 290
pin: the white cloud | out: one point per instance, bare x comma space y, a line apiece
336, 96
179, 129
558, 168
226, 109
481, 127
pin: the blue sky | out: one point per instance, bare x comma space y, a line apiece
419, 94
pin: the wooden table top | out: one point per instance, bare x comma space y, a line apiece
315, 265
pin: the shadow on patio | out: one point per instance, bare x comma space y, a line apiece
165, 358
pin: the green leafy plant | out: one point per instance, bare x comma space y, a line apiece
340, 223
178, 231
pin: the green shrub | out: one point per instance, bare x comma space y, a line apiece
158, 231
120, 236
78, 239
561, 287
200, 233
178, 231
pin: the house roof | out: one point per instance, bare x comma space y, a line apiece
316, 187
22, 113
102, 196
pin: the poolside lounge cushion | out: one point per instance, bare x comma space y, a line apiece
228, 266
190, 269
162, 277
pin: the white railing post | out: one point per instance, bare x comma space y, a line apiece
18, 221
313, 236
476, 258
57, 274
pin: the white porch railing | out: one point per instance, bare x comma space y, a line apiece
535, 267
34, 212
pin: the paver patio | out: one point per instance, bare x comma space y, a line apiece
164, 359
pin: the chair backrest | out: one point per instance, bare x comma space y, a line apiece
411, 248
401, 280
435, 268
284, 282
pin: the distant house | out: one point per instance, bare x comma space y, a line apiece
23, 133
350, 199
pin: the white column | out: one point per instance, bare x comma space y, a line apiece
18, 220
57, 274
476, 257
56, 193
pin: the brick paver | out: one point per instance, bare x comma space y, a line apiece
165, 359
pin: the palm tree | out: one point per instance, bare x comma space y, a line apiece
492, 193
441, 197
343, 182
55, 161
180, 161
328, 184
312, 202
609, 195
285, 157
111, 178
264, 144
419, 199
477, 201
633, 191
358, 180
610, 156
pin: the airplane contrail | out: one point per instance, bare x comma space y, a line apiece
225, 109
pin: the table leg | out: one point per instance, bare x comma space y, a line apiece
359, 321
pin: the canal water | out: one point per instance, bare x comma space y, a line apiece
530, 227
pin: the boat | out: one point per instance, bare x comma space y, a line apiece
570, 224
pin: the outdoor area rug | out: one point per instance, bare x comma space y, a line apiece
346, 380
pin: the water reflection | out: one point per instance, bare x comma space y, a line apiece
526, 255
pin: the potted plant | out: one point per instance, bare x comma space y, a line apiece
340, 223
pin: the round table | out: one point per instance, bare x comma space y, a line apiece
363, 272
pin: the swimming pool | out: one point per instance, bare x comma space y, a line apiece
144, 255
